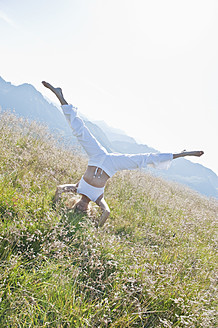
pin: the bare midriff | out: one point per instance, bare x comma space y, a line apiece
95, 176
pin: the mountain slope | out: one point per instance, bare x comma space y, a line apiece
194, 175
152, 265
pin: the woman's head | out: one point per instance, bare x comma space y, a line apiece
82, 205
79, 203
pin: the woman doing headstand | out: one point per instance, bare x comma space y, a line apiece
103, 165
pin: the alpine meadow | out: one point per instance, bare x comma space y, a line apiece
153, 263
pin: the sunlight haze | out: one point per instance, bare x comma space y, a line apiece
149, 68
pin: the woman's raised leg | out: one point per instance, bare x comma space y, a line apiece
92, 147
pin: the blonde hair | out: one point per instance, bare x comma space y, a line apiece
71, 203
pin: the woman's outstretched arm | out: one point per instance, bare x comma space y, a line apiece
105, 211
184, 153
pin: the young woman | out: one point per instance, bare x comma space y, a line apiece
103, 165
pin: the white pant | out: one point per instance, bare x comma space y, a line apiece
110, 162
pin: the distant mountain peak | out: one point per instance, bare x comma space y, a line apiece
30, 103
3, 82
27, 86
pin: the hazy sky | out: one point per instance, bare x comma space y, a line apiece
147, 67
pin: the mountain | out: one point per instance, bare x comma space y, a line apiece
26, 101
114, 134
193, 175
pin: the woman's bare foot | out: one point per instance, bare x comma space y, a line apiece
57, 91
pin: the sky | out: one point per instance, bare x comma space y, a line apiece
149, 68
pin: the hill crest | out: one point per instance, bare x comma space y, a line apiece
152, 265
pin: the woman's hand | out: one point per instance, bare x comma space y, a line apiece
105, 212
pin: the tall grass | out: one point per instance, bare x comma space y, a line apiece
153, 264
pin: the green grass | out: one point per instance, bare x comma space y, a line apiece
153, 264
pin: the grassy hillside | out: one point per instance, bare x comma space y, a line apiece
152, 265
